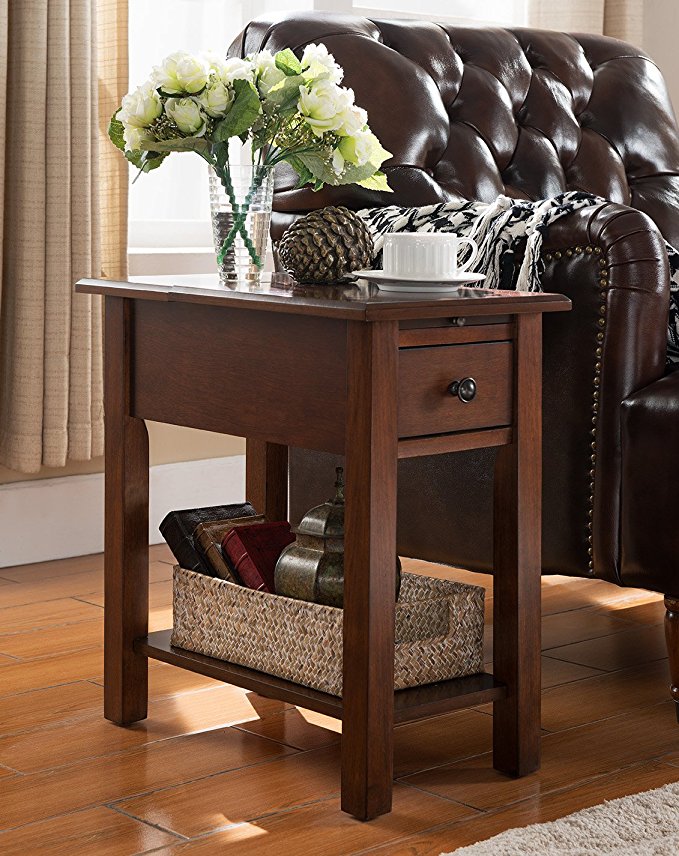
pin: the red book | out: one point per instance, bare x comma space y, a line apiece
253, 551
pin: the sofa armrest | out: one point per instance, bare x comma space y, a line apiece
611, 261
650, 458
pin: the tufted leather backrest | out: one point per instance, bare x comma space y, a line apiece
472, 113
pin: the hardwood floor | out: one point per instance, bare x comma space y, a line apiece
216, 769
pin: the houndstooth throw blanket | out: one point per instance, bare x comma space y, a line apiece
500, 229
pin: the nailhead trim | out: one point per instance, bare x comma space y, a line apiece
590, 249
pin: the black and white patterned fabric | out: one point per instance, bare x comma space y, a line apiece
503, 229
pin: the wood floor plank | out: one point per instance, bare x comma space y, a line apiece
618, 651
56, 568
321, 828
50, 671
540, 809
293, 729
49, 641
73, 741
49, 706
566, 628
568, 757
39, 616
93, 832
115, 777
160, 595
167, 680
559, 594
555, 673
242, 795
278, 786
605, 695
651, 612
85, 585
424, 744
315, 827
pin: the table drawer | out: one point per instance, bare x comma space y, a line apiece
425, 404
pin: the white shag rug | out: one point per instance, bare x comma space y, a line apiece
645, 824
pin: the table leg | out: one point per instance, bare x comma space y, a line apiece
517, 561
266, 478
126, 563
370, 554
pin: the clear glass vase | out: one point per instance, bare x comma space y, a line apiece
240, 202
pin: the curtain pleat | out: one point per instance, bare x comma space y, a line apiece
624, 19
65, 217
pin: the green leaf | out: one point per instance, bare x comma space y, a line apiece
179, 144
305, 175
285, 93
221, 153
288, 63
144, 161
243, 113
317, 164
152, 160
115, 132
377, 181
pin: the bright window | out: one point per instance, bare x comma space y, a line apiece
169, 208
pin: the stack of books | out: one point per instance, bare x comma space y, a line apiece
231, 542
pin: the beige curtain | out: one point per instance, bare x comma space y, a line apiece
64, 67
622, 19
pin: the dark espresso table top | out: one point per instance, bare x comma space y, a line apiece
360, 301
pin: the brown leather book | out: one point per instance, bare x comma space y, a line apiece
208, 538
252, 551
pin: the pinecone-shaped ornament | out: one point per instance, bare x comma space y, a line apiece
326, 246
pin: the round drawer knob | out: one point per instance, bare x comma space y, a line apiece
464, 389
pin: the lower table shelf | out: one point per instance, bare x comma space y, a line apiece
409, 704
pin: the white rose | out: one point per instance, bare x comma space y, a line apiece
187, 115
181, 72
267, 74
215, 63
337, 161
140, 108
135, 137
217, 98
316, 61
236, 69
358, 147
354, 119
324, 106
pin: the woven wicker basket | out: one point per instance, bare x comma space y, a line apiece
439, 630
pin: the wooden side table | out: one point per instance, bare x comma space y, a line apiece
348, 370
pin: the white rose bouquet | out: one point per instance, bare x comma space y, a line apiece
287, 109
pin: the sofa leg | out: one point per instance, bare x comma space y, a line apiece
672, 637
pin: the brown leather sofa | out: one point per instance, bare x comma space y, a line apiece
472, 113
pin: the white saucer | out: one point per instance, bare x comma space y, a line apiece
428, 285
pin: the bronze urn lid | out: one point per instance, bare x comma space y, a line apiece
312, 567
326, 521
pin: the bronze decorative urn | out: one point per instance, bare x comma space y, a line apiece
312, 567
